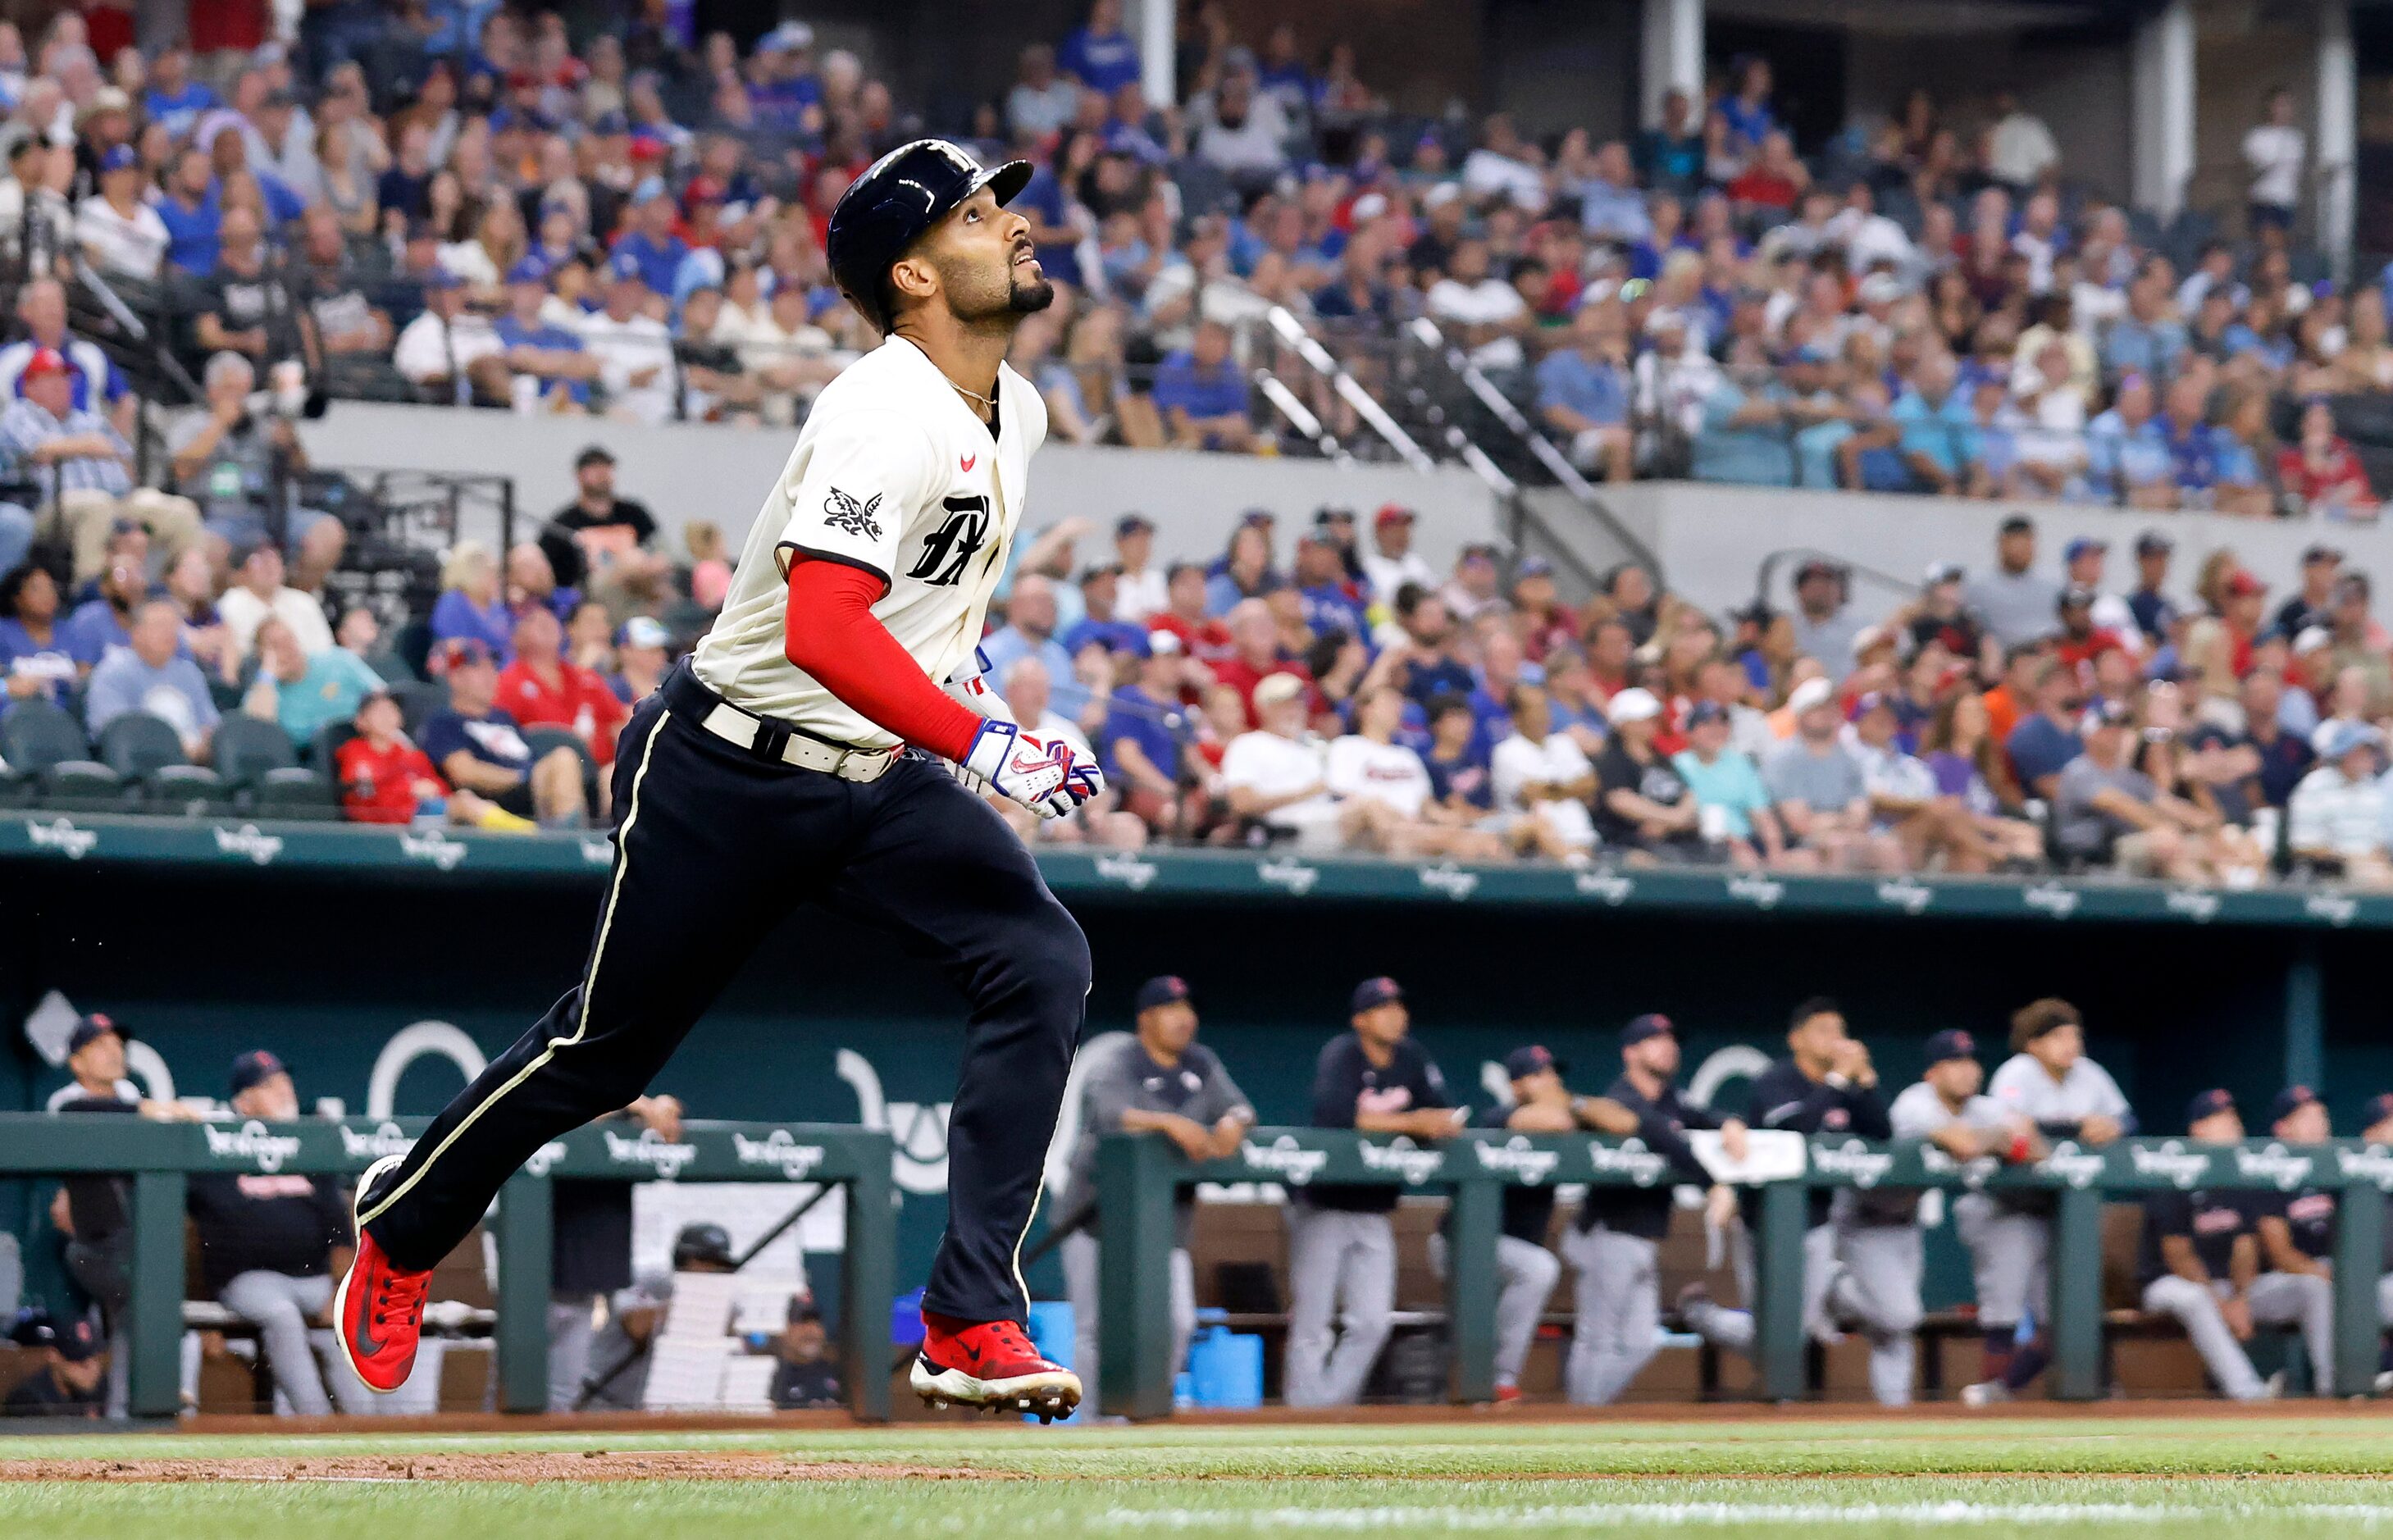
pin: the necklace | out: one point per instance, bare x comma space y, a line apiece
988, 401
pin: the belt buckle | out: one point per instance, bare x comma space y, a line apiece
839, 761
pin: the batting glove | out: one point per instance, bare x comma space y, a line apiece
1031, 771
1085, 778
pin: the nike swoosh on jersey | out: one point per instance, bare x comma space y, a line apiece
968, 461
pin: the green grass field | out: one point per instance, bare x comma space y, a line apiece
2261, 1478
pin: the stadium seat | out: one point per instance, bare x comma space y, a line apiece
246, 749
194, 791
36, 735
137, 744
296, 794
83, 785
324, 749
417, 701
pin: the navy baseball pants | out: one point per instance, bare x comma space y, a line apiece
714, 846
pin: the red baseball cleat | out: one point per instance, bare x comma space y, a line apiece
379, 1309
991, 1365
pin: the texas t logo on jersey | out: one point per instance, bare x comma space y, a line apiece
842, 512
947, 549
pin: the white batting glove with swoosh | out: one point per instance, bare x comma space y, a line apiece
1032, 771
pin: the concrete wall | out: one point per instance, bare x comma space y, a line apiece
706, 471
1712, 540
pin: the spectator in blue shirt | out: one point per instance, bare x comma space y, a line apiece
1456, 760
2043, 744
33, 659
1583, 391
1332, 601
2192, 444
191, 213
2128, 459
2147, 340
1747, 112
148, 674
1100, 55
479, 747
1030, 632
785, 91
1744, 437
536, 345
173, 97
104, 622
1202, 393
1612, 206
1673, 155
1100, 589
1139, 743
1936, 421
471, 606
649, 239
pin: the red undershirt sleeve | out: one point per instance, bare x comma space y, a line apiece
833, 635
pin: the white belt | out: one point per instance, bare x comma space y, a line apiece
737, 727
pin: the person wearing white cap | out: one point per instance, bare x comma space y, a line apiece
2335, 820
1276, 777
1820, 792
1641, 802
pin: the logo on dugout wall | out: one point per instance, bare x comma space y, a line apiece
251, 1143
795, 1160
61, 835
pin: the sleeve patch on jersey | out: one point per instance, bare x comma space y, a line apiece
844, 513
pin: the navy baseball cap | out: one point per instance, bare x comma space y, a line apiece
623, 268
444, 277
1650, 1024
2208, 1104
91, 1028
2378, 1109
1952, 1043
75, 1341
2081, 545
2290, 1100
254, 1068
120, 158
1705, 711
2151, 542
1532, 1059
529, 269
1371, 994
1132, 524
1168, 989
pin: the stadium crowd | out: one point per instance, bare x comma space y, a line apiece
1928, 306
460, 201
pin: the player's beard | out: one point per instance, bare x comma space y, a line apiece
1029, 298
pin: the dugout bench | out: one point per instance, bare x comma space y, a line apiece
1137, 1174
159, 1158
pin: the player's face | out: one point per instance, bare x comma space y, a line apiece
1171, 1026
1958, 1079
1656, 1055
1383, 1023
2219, 1127
2059, 1048
985, 262
2305, 1125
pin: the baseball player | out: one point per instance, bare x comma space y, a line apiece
1617, 1242
1163, 1081
796, 758
1526, 1270
2296, 1237
1877, 1231
1341, 1248
2201, 1257
1825, 1085
2049, 1081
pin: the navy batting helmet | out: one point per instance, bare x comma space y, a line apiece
905, 193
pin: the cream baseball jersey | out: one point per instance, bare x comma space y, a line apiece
895, 475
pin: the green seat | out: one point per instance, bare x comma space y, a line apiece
246, 749
83, 786
36, 734
137, 744
192, 791
298, 794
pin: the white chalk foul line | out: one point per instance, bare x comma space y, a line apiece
1952, 1514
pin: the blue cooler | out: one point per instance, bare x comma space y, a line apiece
1225, 1369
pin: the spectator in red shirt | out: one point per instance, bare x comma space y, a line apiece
2321, 470
2081, 640
1546, 621
1201, 636
1254, 640
384, 779
541, 688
